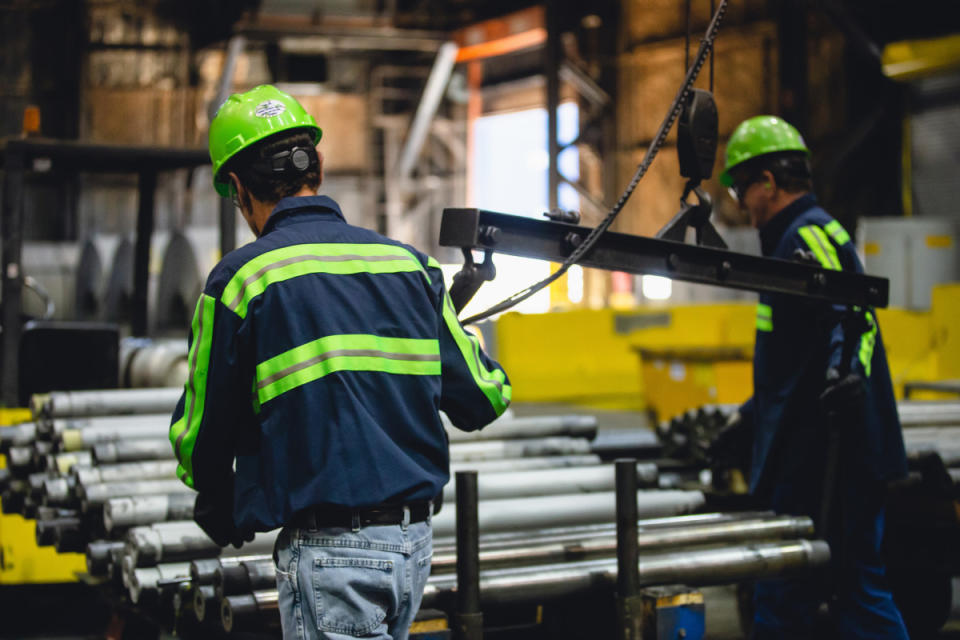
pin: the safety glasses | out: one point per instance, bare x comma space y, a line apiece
739, 188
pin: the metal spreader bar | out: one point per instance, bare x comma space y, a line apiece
519, 236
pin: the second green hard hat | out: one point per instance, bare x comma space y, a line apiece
758, 136
246, 118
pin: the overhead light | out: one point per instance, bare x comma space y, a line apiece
656, 287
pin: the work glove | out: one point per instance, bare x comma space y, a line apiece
732, 445
214, 514
843, 397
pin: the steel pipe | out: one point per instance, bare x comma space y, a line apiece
206, 604
573, 426
545, 482
131, 511
252, 609
64, 404
46, 530
133, 451
528, 464
63, 463
537, 584
202, 570
95, 495
76, 439
98, 555
503, 449
244, 577
147, 581
176, 541
145, 470
50, 428
694, 567
566, 510
602, 544
17, 435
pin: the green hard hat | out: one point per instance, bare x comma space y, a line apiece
758, 136
248, 117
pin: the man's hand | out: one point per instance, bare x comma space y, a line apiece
843, 397
731, 447
215, 517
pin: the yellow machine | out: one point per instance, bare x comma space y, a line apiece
21, 560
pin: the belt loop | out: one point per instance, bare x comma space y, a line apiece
406, 518
355, 520
429, 512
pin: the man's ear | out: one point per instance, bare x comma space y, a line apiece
769, 181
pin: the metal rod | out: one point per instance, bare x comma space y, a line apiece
67, 404
11, 275
131, 511
98, 555
426, 109
146, 192
543, 482
76, 439
519, 464
694, 567
468, 619
95, 495
566, 510
575, 426
131, 451
628, 605
504, 449
146, 470
602, 543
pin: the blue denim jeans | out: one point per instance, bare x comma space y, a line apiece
337, 583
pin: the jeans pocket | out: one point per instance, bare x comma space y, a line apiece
353, 594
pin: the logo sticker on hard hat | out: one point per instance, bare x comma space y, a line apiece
270, 108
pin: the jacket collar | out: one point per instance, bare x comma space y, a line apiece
289, 207
773, 231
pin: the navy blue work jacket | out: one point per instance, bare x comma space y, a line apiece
320, 355
797, 341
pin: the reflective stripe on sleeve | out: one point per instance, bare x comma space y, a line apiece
764, 317
183, 433
493, 384
837, 232
348, 352
821, 246
332, 258
867, 343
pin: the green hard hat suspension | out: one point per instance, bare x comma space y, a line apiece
246, 118
758, 136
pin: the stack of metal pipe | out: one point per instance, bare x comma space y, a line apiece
97, 472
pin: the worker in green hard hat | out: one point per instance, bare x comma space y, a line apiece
816, 367
319, 357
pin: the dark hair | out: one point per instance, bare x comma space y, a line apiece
272, 187
790, 169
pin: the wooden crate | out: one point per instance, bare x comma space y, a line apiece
163, 117
658, 19
745, 81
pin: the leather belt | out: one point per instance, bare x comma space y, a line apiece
324, 516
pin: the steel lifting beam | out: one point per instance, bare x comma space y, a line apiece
554, 241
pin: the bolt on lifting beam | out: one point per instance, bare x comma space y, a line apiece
482, 230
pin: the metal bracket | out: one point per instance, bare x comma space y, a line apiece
471, 277
554, 241
696, 216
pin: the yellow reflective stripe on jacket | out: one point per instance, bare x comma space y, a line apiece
333, 258
183, 433
347, 352
764, 317
493, 384
820, 245
867, 343
837, 232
